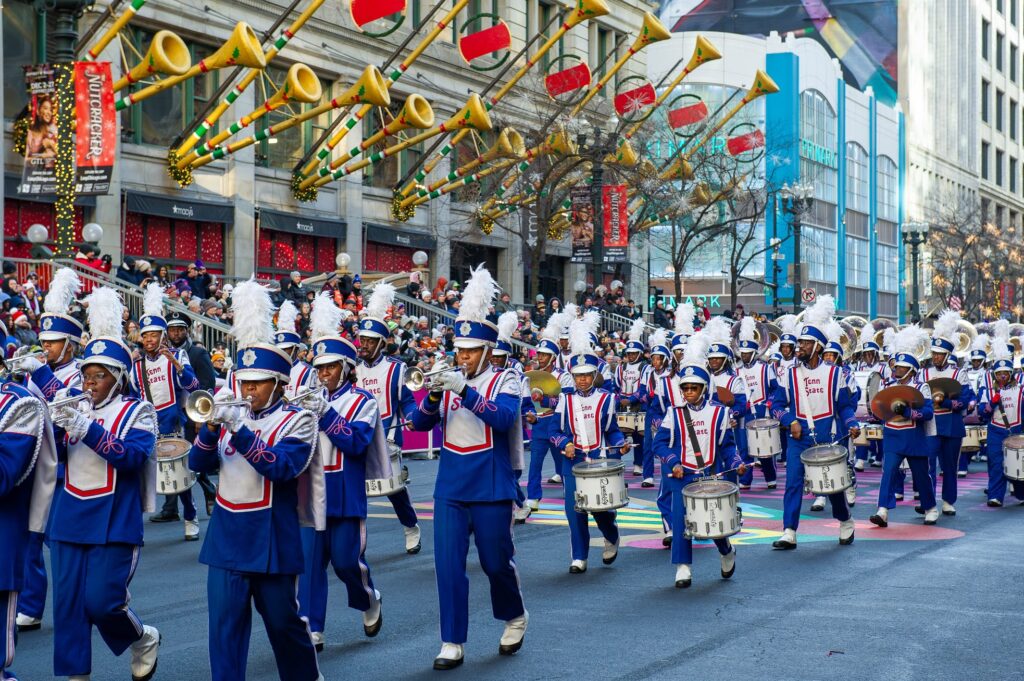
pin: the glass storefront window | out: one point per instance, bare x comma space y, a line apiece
21, 43
857, 195
887, 189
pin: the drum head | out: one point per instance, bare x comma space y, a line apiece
600, 467
710, 488
172, 448
763, 424
1014, 442
823, 454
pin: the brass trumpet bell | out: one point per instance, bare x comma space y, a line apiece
473, 115
301, 85
167, 55
202, 408
585, 11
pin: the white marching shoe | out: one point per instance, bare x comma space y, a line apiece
533, 504
610, 553
577, 567
144, 654
26, 623
851, 496
881, 517
846, 530
521, 514
772, 485
373, 618
787, 541
637, 470
412, 539
317, 639
683, 576
819, 504
859, 466
555, 479
948, 508
931, 516
191, 530
512, 638
450, 656
729, 563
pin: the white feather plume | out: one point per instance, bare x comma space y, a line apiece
325, 317
747, 326
556, 324
153, 300
683, 321
106, 313
636, 330
658, 337
867, 334
286, 316
911, 339
253, 314
718, 330
63, 288
573, 310
981, 342
946, 325
787, 323
381, 299
1000, 332
697, 348
888, 336
821, 312
833, 331
478, 295
580, 330
507, 323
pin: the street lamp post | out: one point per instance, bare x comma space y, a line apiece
915, 235
797, 201
599, 146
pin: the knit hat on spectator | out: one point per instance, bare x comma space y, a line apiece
142, 265
19, 318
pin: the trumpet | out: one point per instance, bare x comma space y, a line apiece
202, 408
415, 378
71, 402
9, 367
299, 398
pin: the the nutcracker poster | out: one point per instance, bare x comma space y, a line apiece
96, 135
616, 222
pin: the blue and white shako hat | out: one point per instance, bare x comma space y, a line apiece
472, 330
507, 323
944, 333
374, 322
907, 344
658, 343
719, 350
548, 346
153, 309
324, 322
55, 323
694, 373
867, 339
287, 337
635, 336
718, 333
679, 342
979, 347
834, 346
105, 311
584, 364
330, 350
747, 335
816, 320
253, 329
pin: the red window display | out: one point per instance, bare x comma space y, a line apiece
387, 258
280, 253
20, 215
177, 243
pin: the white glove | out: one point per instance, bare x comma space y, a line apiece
454, 381
75, 423
232, 417
29, 365
316, 404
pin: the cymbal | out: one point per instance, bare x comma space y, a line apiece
544, 382
883, 403
947, 386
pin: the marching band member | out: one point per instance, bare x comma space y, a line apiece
833, 355
384, 378
658, 384
96, 532
906, 437
1002, 409
352, 448
788, 360
868, 362
302, 376
719, 362
546, 424
572, 312
163, 377
761, 383
253, 549
695, 440
478, 409
628, 394
949, 413
60, 336
682, 323
979, 378
501, 358
28, 471
812, 402
587, 429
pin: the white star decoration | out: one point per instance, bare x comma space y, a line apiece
248, 358
47, 324
465, 328
99, 347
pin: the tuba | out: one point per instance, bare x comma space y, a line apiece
965, 335
856, 322
880, 325
761, 334
167, 55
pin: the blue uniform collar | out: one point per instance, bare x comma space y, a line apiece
343, 388
268, 411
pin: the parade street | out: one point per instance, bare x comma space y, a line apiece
902, 603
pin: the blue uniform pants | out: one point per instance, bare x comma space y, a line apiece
795, 488
579, 529
682, 545
32, 598
342, 545
491, 523
540, 446
872, 451
231, 596
997, 482
893, 477
945, 452
651, 426
402, 504
8, 630
665, 501
90, 588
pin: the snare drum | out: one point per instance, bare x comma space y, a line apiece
627, 421
873, 431
385, 487
975, 438
764, 439
863, 403
862, 438
600, 485
1013, 457
826, 470
712, 509
172, 473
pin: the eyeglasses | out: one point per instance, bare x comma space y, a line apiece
692, 388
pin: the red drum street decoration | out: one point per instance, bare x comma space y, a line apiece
738, 144
634, 98
568, 81
487, 41
365, 12
688, 115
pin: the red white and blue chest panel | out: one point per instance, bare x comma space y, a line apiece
730, 382
1012, 400
709, 424
587, 417
628, 376
464, 433
88, 475
756, 379
160, 377
813, 390
69, 374
352, 406
301, 377
378, 380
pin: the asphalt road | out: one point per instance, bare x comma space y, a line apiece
907, 602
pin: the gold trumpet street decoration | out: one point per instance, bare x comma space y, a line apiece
369, 88
243, 48
472, 116
763, 85
114, 29
167, 55
585, 10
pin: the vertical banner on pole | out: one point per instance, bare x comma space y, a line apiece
582, 224
616, 223
96, 128
39, 173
